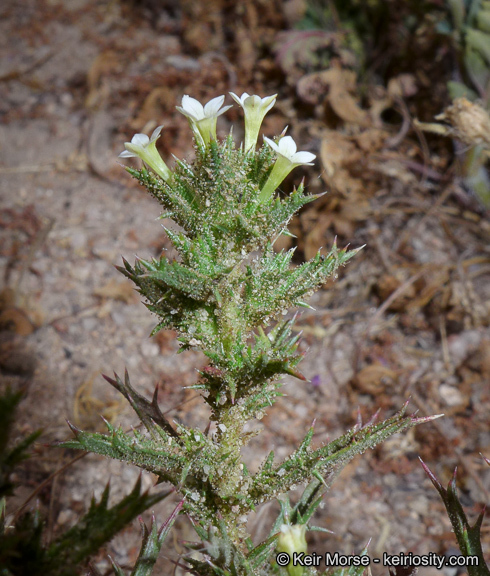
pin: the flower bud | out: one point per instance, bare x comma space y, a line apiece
292, 539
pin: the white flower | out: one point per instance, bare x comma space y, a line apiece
254, 108
287, 149
287, 159
203, 118
145, 148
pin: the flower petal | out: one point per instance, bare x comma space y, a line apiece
268, 102
191, 107
140, 140
213, 106
239, 99
156, 133
272, 144
253, 103
224, 109
287, 147
303, 158
127, 154
236, 98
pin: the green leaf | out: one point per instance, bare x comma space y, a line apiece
99, 525
11, 457
468, 537
152, 544
326, 462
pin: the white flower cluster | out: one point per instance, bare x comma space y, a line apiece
203, 119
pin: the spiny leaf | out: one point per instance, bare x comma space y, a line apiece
468, 537
328, 460
148, 412
152, 543
22, 548
100, 524
11, 457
